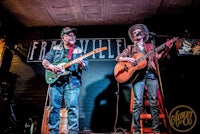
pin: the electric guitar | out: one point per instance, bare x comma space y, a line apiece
51, 76
127, 72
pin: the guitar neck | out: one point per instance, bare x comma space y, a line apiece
78, 59
157, 49
84, 56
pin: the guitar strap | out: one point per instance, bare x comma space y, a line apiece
70, 52
151, 63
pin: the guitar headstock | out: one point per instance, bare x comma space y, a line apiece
174, 39
97, 50
169, 43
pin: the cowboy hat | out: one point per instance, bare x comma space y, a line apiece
142, 27
68, 30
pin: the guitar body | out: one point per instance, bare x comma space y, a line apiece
51, 76
126, 72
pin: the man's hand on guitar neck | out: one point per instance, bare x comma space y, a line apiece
81, 63
163, 54
169, 43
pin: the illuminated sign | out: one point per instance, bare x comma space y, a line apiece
39, 48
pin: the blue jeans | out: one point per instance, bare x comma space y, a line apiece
56, 94
151, 83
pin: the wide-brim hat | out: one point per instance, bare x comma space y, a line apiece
142, 27
68, 30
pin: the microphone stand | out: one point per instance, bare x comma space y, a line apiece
158, 70
160, 81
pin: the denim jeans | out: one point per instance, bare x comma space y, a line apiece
152, 87
56, 94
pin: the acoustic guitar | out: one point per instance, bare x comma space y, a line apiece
51, 76
127, 72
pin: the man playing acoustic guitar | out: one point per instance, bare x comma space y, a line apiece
141, 56
64, 81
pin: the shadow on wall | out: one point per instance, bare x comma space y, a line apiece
105, 113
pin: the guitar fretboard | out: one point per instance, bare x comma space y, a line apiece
157, 49
84, 56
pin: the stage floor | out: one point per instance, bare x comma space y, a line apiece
120, 133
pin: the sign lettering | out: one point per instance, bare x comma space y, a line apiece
39, 48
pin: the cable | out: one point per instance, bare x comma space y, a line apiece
116, 117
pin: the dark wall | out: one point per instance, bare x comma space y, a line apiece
10, 28
181, 85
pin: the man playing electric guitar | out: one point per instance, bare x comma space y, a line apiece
67, 86
134, 58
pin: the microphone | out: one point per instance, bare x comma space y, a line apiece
152, 33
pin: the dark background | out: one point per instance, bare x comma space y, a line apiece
24, 86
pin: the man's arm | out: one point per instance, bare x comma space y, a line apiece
46, 64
